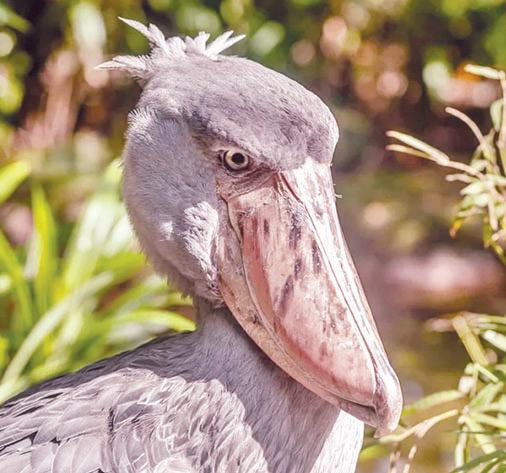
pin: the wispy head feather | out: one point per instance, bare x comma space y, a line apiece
141, 67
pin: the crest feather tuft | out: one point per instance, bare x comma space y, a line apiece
162, 50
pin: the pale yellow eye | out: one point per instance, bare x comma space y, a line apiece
236, 160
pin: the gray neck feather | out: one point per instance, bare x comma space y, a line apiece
282, 423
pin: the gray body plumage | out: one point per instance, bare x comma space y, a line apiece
208, 401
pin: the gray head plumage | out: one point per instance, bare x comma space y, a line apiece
255, 107
195, 103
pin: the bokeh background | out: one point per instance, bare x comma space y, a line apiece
379, 64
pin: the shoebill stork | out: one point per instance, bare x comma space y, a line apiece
228, 185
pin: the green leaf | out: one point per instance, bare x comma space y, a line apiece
501, 469
434, 153
62, 346
112, 326
461, 450
480, 164
497, 180
500, 367
496, 113
139, 294
483, 440
496, 455
482, 71
44, 250
9, 18
143, 293
491, 319
419, 429
477, 200
476, 187
471, 341
11, 176
162, 317
489, 420
90, 237
486, 373
432, 400
486, 395
495, 338
124, 265
406, 150
49, 321
465, 178
5, 284
4, 351
22, 296
12, 387
371, 451
491, 465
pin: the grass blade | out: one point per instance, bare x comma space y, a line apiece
490, 420
470, 341
497, 455
419, 145
486, 395
162, 317
432, 400
483, 71
45, 250
49, 321
92, 231
484, 441
495, 338
11, 176
21, 290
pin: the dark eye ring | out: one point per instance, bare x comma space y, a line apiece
235, 160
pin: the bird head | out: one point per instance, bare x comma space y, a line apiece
227, 182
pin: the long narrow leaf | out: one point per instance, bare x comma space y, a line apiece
11, 176
22, 296
434, 153
470, 341
432, 400
92, 231
144, 293
163, 317
49, 321
490, 420
45, 249
496, 339
484, 441
406, 150
491, 466
486, 395
498, 454
487, 72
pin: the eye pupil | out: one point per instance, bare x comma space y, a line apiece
235, 160
238, 158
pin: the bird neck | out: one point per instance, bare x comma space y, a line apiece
208, 315
223, 337
275, 408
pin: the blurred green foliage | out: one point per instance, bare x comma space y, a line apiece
484, 193
59, 308
479, 404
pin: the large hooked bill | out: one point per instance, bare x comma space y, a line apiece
298, 296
